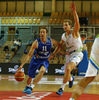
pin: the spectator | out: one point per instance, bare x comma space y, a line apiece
17, 43
19, 61
29, 43
20, 41
26, 51
6, 48
8, 57
17, 34
13, 49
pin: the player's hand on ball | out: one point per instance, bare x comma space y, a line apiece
19, 76
19, 68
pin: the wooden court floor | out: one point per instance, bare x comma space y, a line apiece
48, 83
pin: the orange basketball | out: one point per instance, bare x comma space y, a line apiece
19, 76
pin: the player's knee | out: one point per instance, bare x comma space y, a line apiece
29, 78
42, 70
68, 68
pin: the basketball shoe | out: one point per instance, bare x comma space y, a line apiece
29, 90
24, 91
71, 82
60, 91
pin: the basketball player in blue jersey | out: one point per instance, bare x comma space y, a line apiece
91, 72
73, 45
41, 49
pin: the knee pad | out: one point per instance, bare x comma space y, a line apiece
79, 90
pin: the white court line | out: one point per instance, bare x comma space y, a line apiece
60, 82
33, 96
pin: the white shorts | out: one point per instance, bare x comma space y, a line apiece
75, 57
91, 71
93, 65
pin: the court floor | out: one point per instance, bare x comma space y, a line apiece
46, 89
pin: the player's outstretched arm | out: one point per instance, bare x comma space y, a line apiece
33, 47
76, 19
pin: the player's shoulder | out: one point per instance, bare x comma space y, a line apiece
63, 35
49, 39
38, 39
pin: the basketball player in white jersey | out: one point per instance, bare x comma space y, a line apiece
73, 46
92, 70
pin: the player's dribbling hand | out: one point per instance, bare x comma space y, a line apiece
19, 68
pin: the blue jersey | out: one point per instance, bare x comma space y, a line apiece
43, 50
40, 56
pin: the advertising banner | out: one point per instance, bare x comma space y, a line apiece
11, 68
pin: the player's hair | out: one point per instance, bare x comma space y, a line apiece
69, 21
44, 28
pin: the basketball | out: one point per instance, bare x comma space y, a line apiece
19, 76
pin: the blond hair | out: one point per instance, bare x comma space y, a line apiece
69, 21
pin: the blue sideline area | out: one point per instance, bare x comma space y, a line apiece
82, 67
88, 40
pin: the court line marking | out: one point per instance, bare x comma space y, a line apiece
57, 81
33, 96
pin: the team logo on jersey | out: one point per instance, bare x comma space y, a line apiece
47, 44
37, 55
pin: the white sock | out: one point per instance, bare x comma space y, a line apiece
71, 99
32, 80
71, 79
63, 86
28, 85
32, 86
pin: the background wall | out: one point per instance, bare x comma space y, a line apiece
29, 6
46, 5
11, 6
2, 6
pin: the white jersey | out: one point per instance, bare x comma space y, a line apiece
72, 43
93, 65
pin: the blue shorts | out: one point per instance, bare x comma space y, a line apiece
36, 64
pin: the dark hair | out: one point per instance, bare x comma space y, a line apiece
44, 28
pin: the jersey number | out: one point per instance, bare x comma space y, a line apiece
44, 48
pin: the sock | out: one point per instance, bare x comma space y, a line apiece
63, 86
71, 79
28, 85
32, 80
71, 99
32, 86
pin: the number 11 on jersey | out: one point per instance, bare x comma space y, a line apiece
44, 48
